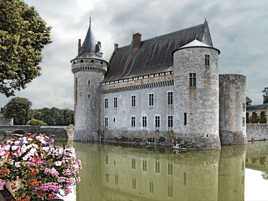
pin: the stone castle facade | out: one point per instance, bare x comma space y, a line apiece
165, 87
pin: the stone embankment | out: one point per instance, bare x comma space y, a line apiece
58, 132
257, 132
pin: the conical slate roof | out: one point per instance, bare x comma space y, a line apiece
89, 42
195, 43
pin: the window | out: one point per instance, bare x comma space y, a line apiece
192, 79
144, 122
170, 169
207, 62
244, 107
243, 121
88, 83
144, 165
170, 98
115, 102
133, 101
170, 121
116, 179
151, 99
133, 163
185, 179
133, 122
185, 119
151, 187
157, 166
106, 122
106, 159
134, 183
157, 121
105, 103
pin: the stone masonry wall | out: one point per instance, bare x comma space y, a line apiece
257, 132
233, 109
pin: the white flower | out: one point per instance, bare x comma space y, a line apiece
58, 163
14, 148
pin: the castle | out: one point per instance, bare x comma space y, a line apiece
165, 86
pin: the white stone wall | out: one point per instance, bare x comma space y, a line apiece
119, 119
201, 103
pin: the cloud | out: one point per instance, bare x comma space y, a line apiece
238, 29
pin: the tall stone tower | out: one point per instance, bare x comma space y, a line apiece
196, 81
88, 69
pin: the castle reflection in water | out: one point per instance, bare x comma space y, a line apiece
113, 173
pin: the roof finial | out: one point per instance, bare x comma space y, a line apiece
90, 21
205, 20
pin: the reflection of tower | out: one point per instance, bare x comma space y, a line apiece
89, 189
232, 173
88, 69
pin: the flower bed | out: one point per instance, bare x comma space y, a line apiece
34, 169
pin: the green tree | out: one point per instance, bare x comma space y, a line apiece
263, 119
36, 122
19, 109
254, 118
23, 34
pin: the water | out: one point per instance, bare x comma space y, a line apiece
114, 173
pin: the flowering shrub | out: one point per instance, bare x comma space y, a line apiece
39, 170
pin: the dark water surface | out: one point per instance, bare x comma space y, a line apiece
114, 173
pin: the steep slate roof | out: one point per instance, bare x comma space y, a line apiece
153, 55
89, 42
257, 107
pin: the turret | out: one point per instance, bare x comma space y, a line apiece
88, 68
265, 95
196, 84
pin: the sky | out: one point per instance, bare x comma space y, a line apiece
239, 29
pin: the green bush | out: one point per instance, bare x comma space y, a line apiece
36, 122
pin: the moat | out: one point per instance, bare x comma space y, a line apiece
115, 173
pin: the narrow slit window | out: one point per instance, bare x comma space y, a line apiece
144, 122
185, 119
105, 103
106, 122
170, 121
207, 60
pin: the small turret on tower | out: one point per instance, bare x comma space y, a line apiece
265, 95
88, 69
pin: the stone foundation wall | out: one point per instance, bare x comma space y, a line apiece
257, 132
164, 138
58, 132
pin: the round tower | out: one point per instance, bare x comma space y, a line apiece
233, 109
89, 69
196, 82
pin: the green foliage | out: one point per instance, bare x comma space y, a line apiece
254, 118
248, 101
18, 108
36, 122
54, 116
23, 34
263, 119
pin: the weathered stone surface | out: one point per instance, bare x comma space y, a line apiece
257, 132
233, 109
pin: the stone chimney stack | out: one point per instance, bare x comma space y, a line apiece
115, 46
136, 41
79, 46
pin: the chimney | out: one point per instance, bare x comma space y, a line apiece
136, 42
79, 46
115, 46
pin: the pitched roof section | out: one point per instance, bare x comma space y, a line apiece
153, 55
89, 42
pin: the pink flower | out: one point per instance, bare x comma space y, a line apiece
54, 172
78, 179
2, 183
67, 191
